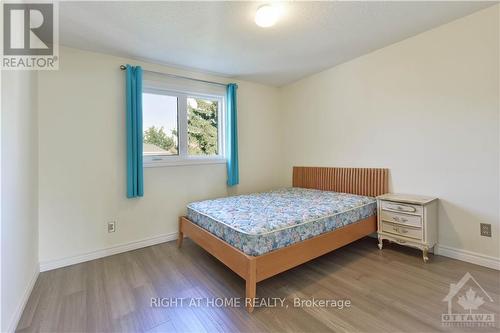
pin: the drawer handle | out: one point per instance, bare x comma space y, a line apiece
406, 208
400, 230
397, 219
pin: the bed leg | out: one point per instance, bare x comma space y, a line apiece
181, 234
251, 285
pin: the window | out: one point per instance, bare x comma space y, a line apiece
182, 128
160, 124
203, 130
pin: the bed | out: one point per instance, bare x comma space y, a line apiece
263, 234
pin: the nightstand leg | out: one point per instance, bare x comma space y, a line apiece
424, 254
380, 243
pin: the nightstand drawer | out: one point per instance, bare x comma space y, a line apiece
393, 217
398, 229
402, 207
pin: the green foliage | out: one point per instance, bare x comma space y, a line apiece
158, 137
202, 128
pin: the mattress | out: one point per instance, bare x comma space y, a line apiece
262, 222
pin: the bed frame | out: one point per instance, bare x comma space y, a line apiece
363, 181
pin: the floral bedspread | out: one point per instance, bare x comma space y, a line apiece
262, 222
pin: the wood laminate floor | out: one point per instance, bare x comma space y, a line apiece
390, 290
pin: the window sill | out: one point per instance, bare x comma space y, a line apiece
181, 162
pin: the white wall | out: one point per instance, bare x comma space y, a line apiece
427, 108
82, 158
19, 226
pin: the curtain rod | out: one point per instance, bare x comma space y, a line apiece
123, 67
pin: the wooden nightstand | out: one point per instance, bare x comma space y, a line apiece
409, 220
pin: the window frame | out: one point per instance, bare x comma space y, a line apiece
183, 157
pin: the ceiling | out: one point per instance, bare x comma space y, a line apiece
222, 38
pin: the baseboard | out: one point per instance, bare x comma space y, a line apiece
468, 256
463, 255
53, 264
22, 303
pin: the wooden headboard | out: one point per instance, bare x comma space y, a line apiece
363, 181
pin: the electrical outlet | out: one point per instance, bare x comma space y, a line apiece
112, 226
485, 229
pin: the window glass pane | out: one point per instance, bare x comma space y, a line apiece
159, 123
202, 126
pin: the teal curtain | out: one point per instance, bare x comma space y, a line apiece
233, 177
135, 178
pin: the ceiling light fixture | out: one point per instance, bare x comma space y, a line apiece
266, 16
